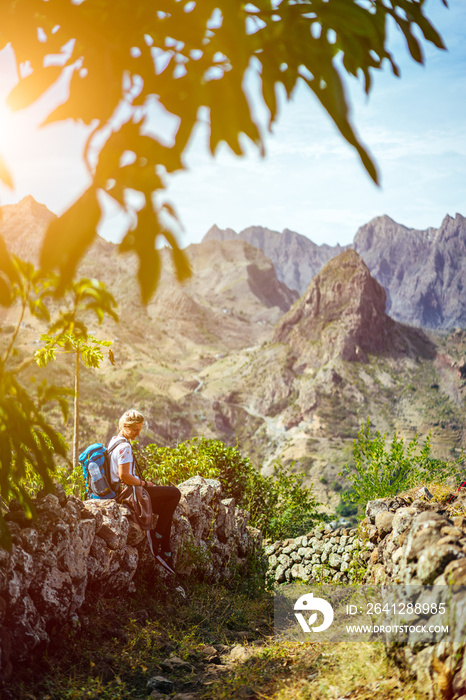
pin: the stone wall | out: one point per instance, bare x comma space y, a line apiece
321, 555
75, 549
415, 543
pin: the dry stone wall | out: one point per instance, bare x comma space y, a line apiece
420, 546
322, 555
409, 543
75, 549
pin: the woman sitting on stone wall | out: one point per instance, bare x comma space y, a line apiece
122, 469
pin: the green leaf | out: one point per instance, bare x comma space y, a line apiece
43, 356
6, 262
6, 297
142, 240
180, 259
68, 237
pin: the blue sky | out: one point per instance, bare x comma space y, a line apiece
310, 181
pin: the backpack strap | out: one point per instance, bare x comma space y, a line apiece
109, 452
137, 468
136, 465
115, 444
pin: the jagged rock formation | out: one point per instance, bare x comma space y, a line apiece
75, 549
423, 272
332, 361
22, 226
341, 314
296, 258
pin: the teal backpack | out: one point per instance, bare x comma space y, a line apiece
95, 465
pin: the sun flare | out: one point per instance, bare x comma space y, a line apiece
7, 125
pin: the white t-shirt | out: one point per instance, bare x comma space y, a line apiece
120, 455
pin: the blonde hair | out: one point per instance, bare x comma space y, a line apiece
129, 418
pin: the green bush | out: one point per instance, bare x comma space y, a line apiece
211, 459
379, 472
346, 508
279, 505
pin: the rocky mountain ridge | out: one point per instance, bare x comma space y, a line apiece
296, 258
422, 271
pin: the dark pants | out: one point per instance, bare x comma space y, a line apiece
164, 501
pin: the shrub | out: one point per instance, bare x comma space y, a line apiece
211, 459
279, 504
346, 508
379, 472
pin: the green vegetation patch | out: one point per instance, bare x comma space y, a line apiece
278, 504
379, 472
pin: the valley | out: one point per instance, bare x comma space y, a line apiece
235, 354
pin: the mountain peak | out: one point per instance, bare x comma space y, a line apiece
341, 314
23, 225
217, 234
28, 202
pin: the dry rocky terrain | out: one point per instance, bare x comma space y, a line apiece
234, 354
423, 272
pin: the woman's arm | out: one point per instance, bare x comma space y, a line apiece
127, 478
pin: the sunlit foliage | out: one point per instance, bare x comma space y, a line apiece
28, 443
380, 471
280, 505
130, 60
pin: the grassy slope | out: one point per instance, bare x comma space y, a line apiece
116, 646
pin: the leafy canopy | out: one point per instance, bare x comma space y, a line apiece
126, 59
28, 443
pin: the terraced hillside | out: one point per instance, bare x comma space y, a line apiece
233, 354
